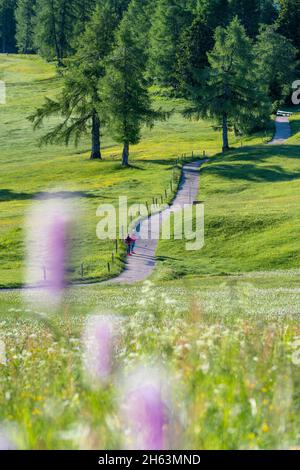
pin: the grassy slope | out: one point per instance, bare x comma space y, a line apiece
230, 343
231, 348
252, 221
26, 169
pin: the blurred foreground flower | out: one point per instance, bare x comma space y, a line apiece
5, 441
48, 249
99, 340
147, 410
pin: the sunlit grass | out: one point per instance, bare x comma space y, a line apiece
231, 346
27, 169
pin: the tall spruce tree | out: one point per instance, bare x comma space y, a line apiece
7, 26
289, 21
54, 28
25, 14
197, 39
268, 12
233, 94
79, 103
249, 13
276, 64
125, 92
139, 14
169, 20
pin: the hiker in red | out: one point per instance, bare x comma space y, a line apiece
134, 238
129, 242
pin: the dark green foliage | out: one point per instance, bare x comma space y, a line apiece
197, 39
139, 16
249, 13
54, 28
25, 14
169, 20
268, 12
83, 12
232, 94
7, 26
214, 12
79, 103
289, 21
196, 42
276, 64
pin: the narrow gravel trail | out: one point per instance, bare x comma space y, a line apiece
141, 265
283, 130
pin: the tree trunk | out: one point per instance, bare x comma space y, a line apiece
96, 148
125, 155
225, 133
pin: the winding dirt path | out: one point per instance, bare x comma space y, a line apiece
283, 130
141, 265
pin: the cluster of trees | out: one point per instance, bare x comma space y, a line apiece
233, 60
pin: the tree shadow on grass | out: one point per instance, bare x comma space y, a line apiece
7, 195
251, 172
261, 154
245, 164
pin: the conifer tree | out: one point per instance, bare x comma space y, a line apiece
169, 20
7, 26
25, 13
54, 28
289, 21
79, 103
197, 39
276, 64
233, 93
125, 92
249, 14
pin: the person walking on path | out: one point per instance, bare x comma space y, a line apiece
134, 238
128, 243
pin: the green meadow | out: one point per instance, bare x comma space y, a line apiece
224, 321
231, 345
252, 214
27, 169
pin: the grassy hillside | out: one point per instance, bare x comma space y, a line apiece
27, 169
234, 186
252, 213
232, 347
230, 343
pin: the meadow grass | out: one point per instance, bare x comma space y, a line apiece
27, 169
230, 345
252, 213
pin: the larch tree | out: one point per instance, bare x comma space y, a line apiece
197, 39
125, 93
169, 19
275, 58
232, 93
79, 104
